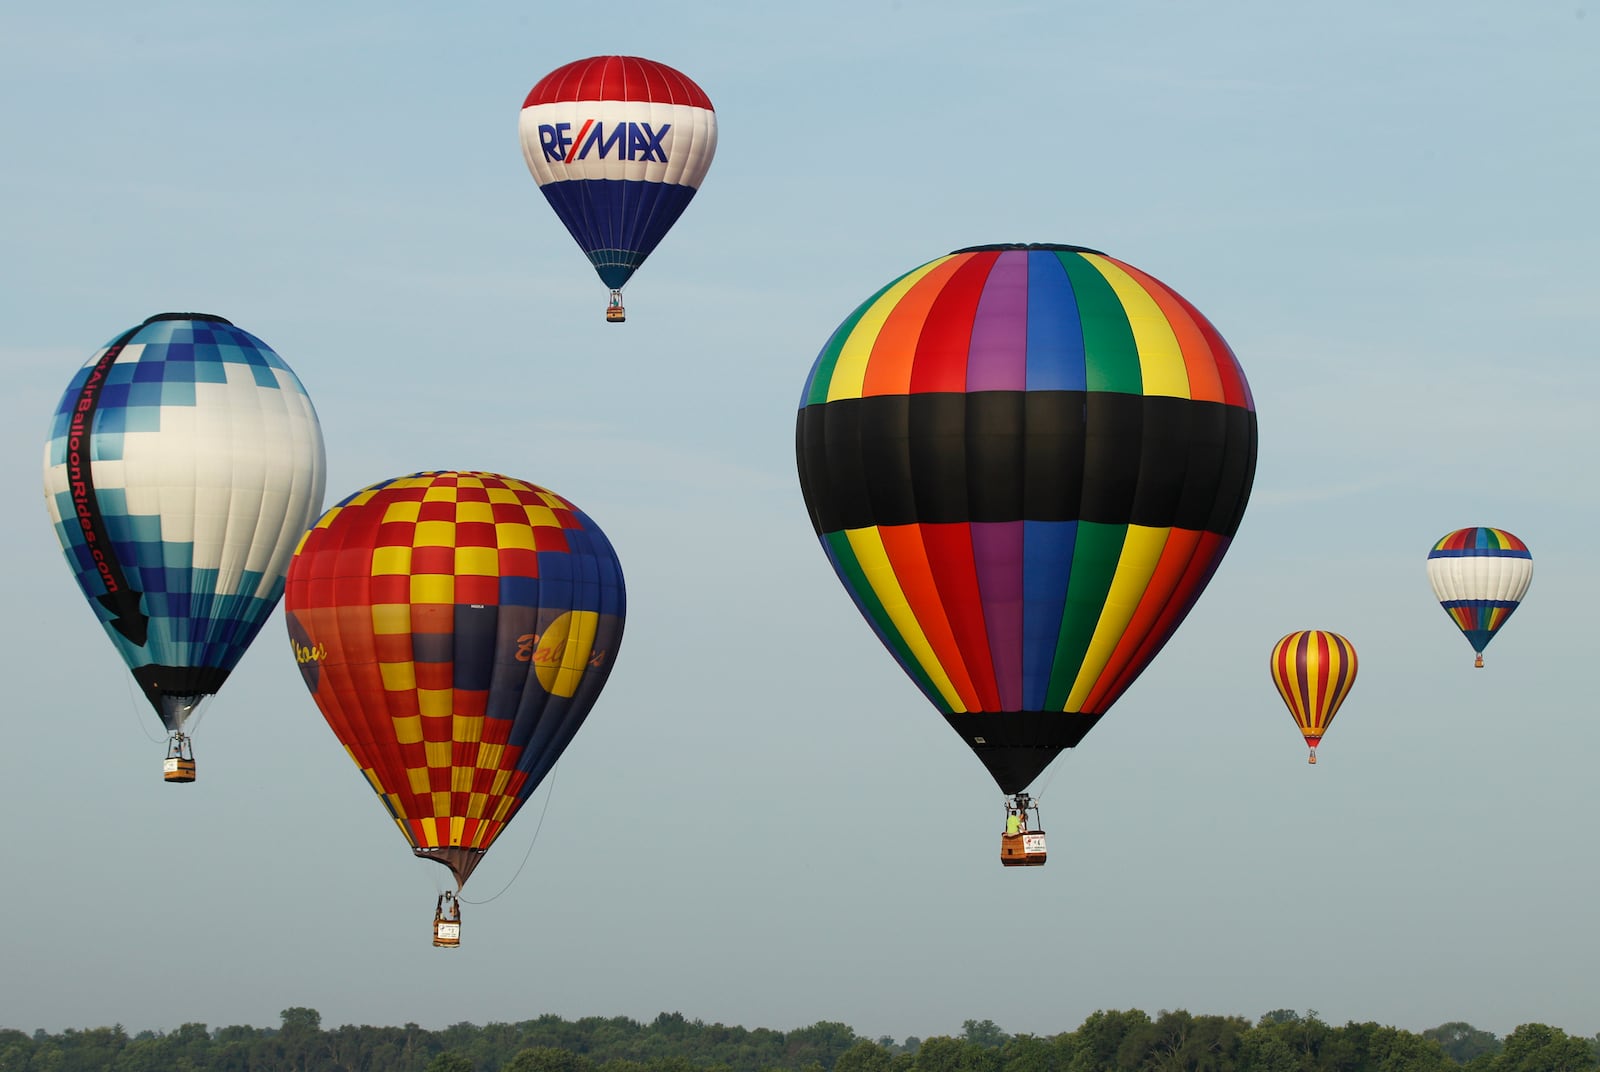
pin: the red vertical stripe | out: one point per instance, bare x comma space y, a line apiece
940, 363
909, 556
955, 572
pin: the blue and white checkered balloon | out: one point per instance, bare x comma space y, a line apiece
184, 463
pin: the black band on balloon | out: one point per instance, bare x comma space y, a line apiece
990, 456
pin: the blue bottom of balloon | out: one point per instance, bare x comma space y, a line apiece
617, 222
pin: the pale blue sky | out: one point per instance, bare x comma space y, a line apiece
1389, 212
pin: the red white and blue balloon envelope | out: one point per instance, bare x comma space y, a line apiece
1480, 575
619, 146
184, 462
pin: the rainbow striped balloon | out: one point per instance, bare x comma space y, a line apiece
1025, 463
1479, 575
1314, 671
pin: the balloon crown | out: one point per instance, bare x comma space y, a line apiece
1051, 246
213, 318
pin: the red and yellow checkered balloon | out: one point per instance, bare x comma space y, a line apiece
455, 629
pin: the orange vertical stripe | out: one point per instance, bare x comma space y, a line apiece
889, 367
907, 554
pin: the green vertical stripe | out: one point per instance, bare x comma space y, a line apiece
822, 373
849, 569
1094, 565
1111, 358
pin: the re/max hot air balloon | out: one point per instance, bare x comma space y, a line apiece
455, 629
1479, 575
1313, 670
619, 146
184, 461
1025, 463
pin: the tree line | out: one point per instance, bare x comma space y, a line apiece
1108, 1041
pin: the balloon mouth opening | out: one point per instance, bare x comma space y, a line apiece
1043, 247
460, 860
208, 317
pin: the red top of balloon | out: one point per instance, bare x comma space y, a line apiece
626, 78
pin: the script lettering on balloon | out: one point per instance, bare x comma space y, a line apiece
528, 651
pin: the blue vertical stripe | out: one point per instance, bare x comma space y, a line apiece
1055, 335
1047, 548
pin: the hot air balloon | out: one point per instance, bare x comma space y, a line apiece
1479, 575
455, 629
1025, 463
1313, 670
618, 145
183, 463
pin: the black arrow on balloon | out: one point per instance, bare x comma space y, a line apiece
120, 597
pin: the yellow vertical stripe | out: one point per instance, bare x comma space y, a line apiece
1141, 552
1160, 356
867, 546
1342, 658
850, 370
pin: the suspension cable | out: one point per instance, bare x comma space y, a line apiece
550, 791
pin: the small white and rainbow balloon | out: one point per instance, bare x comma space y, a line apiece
1479, 576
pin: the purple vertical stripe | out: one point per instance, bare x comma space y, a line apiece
998, 358
997, 556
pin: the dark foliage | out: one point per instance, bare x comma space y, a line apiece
1107, 1041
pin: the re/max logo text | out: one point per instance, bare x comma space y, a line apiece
631, 141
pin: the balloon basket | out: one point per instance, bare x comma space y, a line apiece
179, 764
615, 314
447, 922
446, 934
1022, 850
1478, 662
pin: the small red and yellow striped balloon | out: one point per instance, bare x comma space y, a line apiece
1313, 670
